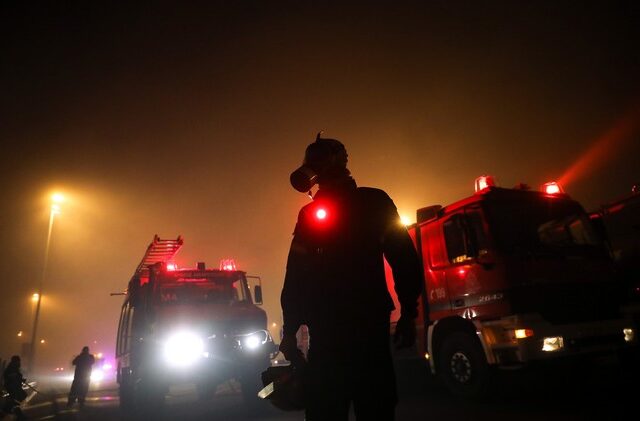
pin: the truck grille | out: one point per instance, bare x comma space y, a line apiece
577, 344
569, 303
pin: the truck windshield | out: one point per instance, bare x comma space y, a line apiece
194, 291
542, 226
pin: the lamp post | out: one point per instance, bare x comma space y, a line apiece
55, 210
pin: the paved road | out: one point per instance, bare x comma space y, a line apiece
602, 391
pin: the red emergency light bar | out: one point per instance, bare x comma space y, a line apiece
227, 264
484, 182
552, 188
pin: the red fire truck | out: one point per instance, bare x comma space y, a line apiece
512, 276
620, 225
193, 325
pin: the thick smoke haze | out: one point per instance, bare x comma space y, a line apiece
184, 120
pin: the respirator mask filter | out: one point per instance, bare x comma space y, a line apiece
320, 157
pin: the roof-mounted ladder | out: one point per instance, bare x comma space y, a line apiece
158, 251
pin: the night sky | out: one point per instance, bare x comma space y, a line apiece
160, 118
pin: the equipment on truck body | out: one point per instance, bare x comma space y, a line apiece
194, 325
512, 276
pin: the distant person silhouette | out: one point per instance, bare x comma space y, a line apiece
81, 378
335, 284
13, 380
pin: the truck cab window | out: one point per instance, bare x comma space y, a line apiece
122, 330
575, 230
455, 239
129, 328
201, 291
478, 242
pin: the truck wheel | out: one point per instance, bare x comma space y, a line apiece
149, 399
125, 392
463, 366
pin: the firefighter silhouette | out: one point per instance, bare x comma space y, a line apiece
335, 284
13, 380
81, 378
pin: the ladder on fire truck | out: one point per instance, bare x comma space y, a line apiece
158, 251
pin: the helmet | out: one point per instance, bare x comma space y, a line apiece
321, 157
284, 387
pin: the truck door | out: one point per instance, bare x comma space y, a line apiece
434, 258
472, 277
123, 343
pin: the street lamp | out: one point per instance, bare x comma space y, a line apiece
56, 199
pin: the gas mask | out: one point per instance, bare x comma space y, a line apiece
321, 158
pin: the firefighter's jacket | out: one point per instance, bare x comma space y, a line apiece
335, 280
13, 382
83, 363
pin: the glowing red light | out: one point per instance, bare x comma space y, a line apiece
551, 188
321, 214
484, 182
461, 272
227, 264
172, 266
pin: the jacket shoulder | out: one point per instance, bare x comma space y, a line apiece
374, 194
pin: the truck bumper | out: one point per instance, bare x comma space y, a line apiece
526, 338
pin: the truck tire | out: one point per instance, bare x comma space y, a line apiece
149, 399
463, 366
125, 392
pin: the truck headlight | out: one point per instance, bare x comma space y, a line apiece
254, 340
553, 343
629, 334
183, 348
97, 376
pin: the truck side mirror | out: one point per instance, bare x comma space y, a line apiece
257, 294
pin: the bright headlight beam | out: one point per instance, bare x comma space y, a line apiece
183, 349
252, 342
97, 376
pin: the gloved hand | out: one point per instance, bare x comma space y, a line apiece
290, 350
405, 335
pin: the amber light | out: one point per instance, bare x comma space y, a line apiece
523, 333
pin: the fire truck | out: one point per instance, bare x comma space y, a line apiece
189, 325
619, 223
512, 277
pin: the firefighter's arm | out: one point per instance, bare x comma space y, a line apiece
292, 297
403, 259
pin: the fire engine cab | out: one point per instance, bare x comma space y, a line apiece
193, 325
512, 276
620, 225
